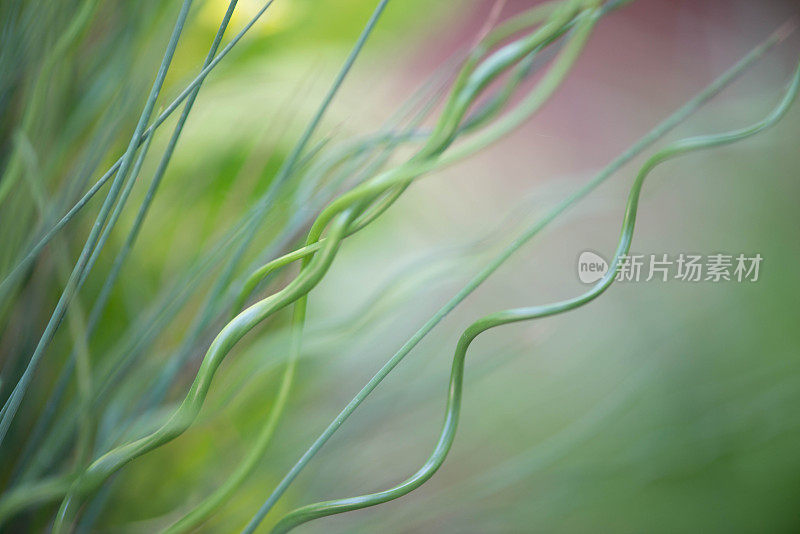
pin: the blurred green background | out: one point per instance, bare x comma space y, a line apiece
660, 407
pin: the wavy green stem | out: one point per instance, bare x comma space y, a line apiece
186, 413
677, 117
452, 411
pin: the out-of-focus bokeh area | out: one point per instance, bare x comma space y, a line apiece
659, 407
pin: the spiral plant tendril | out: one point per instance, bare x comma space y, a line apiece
493, 265
334, 192
356, 208
453, 408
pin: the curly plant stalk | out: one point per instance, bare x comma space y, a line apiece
251, 221
304, 252
373, 211
293, 158
530, 42
438, 141
467, 87
296, 221
251, 225
290, 161
474, 77
543, 91
656, 133
211, 504
531, 460
109, 369
452, 411
183, 417
364, 211
30, 493
391, 139
361, 206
